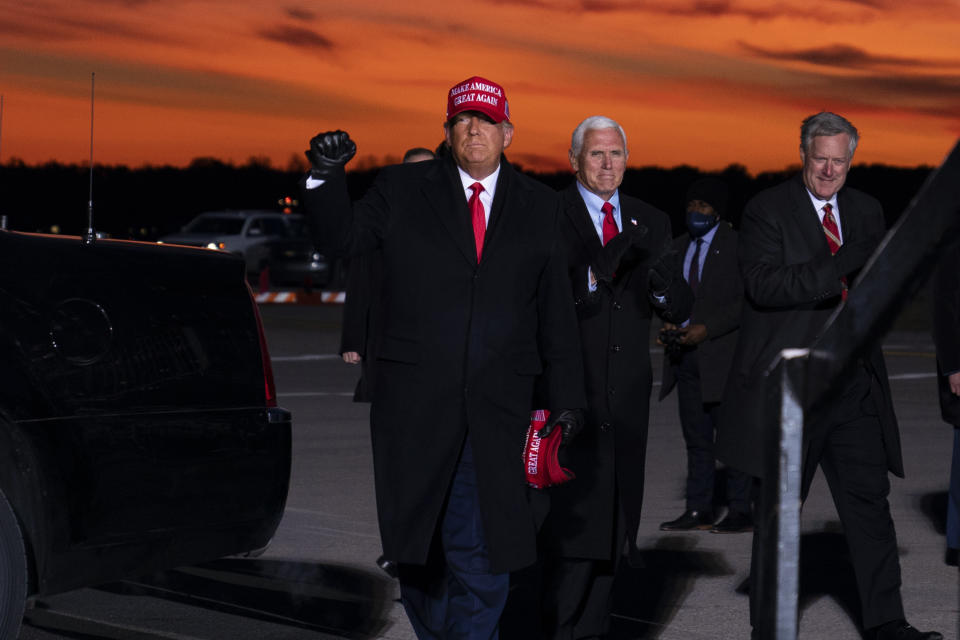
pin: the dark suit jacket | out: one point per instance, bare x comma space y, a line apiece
946, 329
615, 338
460, 346
792, 286
717, 304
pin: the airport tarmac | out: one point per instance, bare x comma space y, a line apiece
318, 578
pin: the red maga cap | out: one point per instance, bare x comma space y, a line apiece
478, 94
541, 462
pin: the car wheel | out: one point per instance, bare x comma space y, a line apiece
13, 571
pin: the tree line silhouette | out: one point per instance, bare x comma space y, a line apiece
147, 202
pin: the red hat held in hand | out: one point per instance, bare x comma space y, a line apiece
540, 460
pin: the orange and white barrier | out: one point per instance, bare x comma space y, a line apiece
293, 297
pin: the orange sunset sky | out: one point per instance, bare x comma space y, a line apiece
700, 82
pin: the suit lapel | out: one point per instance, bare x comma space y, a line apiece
717, 247
807, 219
509, 196
850, 218
444, 191
575, 209
627, 217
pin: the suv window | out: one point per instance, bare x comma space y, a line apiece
268, 227
215, 224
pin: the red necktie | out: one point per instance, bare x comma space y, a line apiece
478, 216
609, 224
832, 231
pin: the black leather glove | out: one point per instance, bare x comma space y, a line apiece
570, 422
852, 255
662, 274
608, 260
329, 152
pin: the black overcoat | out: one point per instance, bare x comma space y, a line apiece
362, 317
718, 304
461, 344
946, 329
792, 286
608, 456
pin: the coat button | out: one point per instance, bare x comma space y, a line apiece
615, 348
605, 426
611, 391
617, 306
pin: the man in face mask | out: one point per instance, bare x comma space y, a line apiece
698, 356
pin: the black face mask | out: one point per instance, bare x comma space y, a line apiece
699, 224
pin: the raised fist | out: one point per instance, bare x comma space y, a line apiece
329, 152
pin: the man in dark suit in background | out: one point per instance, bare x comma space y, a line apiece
801, 244
946, 336
620, 276
698, 354
476, 307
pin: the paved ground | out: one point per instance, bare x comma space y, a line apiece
318, 580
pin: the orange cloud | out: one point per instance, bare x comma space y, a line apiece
698, 82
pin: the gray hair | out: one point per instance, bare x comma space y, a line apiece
594, 123
827, 124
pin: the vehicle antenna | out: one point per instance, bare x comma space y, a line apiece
3, 218
1, 126
91, 235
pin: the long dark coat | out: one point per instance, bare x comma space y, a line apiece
792, 287
946, 329
608, 456
461, 345
362, 317
718, 305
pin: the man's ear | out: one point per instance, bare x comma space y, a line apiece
573, 162
507, 135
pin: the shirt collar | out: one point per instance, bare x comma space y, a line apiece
594, 202
818, 203
708, 236
489, 183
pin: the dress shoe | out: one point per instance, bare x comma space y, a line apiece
691, 519
901, 630
734, 522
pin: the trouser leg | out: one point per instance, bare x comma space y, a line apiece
476, 595
698, 434
579, 592
456, 595
423, 593
854, 463
953, 497
566, 582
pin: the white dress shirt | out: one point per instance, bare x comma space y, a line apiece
489, 188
